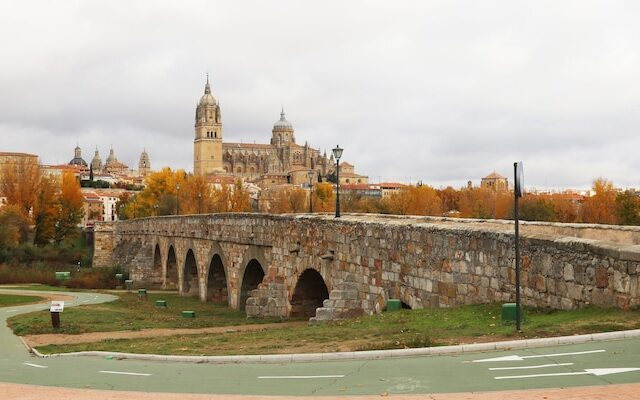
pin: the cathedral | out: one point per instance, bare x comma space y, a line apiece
279, 162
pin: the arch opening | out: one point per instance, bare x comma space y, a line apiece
171, 276
217, 282
405, 306
190, 285
309, 294
252, 277
157, 260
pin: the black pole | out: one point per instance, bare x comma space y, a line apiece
310, 196
337, 188
177, 201
516, 191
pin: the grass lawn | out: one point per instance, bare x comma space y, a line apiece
393, 330
13, 300
130, 313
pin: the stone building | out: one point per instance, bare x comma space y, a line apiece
495, 182
282, 161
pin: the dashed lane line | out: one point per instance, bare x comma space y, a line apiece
125, 373
301, 376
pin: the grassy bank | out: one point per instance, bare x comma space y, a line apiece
401, 329
14, 300
130, 313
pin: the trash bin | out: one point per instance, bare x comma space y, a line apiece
142, 294
129, 285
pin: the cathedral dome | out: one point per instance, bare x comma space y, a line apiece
282, 124
77, 159
207, 98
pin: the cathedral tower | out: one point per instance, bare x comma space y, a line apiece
207, 146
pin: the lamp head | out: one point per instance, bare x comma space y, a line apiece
337, 152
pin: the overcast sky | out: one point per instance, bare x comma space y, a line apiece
438, 91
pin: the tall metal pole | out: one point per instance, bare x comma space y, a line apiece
516, 192
178, 199
310, 194
337, 188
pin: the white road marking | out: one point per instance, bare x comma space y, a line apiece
595, 371
12, 310
530, 367
124, 373
35, 365
521, 358
301, 377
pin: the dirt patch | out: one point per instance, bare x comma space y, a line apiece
47, 296
91, 337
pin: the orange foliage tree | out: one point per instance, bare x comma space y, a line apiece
19, 183
601, 207
70, 208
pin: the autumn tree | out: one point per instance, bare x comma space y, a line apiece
600, 208
324, 199
449, 199
46, 211
240, 200
19, 183
70, 208
14, 227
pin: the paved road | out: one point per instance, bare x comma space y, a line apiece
562, 366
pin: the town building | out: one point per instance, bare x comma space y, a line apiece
495, 182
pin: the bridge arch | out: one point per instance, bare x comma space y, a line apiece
157, 259
217, 285
252, 271
309, 293
251, 278
171, 275
190, 278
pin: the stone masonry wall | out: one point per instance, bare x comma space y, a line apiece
425, 262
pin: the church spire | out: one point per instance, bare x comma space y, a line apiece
207, 87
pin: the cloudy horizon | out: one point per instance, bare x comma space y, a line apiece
439, 91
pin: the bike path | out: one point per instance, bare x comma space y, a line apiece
549, 367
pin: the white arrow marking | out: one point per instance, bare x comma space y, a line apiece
124, 373
301, 377
520, 358
35, 365
595, 371
531, 367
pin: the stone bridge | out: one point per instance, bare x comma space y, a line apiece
327, 268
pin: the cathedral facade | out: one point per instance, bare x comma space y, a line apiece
278, 162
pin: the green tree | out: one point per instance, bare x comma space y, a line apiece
628, 208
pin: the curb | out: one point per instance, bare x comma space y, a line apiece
362, 355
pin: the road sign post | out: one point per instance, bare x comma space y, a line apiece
56, 308
518, 191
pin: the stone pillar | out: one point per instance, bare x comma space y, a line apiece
104, 244
343, 302
268, 300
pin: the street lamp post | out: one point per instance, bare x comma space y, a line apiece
337, 153
155, 210
311, 174
177, 199
199, 203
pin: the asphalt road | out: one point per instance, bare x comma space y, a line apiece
597, 363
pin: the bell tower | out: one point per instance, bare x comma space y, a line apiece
207, 145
